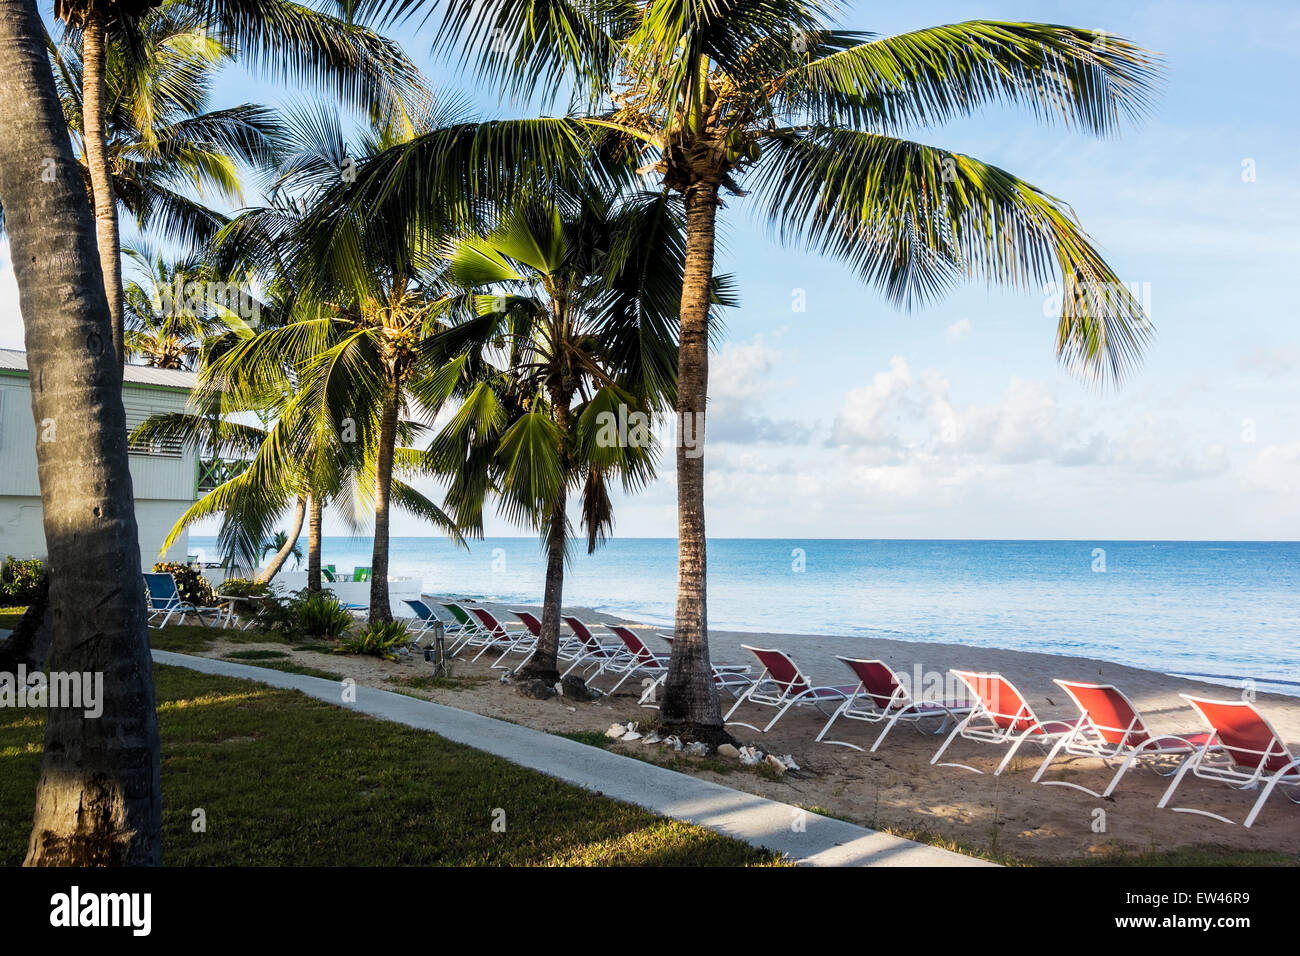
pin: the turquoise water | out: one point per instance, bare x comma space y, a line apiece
1207, 608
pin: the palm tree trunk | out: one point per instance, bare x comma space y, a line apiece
290, 542
94, 45
380, 611
313, 543
690, 698
99, 797
543, 664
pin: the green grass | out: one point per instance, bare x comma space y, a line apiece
10, 616
192, 638
285, 779
1198, 855
287, 666
429, 682
256, 655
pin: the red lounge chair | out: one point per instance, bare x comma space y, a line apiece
881, 698
496, 635
586, 650
638, 658
1112, 729
782, 685
1001, 715
1243, 750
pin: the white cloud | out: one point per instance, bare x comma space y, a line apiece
957, 331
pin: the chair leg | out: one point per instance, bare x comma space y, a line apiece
1178, 777
741, 699
835, 716
949, 739
1051, 755
780, 713
1012, 752
1268, 788
889, 725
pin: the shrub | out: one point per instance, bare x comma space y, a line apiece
321, 615
277, 613
190, 583
242, 587
19, 580
377, 640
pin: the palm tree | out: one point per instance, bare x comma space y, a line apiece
364, 334
767, 98
164, 327
99, 797
161, 140
286, 543
582, 306
279, 37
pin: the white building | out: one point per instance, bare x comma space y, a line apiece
164, 476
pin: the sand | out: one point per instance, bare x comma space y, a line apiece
897, 788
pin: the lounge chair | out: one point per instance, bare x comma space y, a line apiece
165, 601
586, 650
327, 572
496, 635
1112, 729
1243, 750
467, 627
534, 627
425, 619
881, 698
782, 685
1001, 715
636, 659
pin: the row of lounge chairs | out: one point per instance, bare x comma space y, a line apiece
1240, 748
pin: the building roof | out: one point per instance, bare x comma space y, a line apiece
16, 361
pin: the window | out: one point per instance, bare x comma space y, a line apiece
158, 447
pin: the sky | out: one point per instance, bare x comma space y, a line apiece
852, 419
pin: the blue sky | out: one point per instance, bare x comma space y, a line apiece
852, 419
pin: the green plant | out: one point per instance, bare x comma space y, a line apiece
377, 640
242, 587
321, 616
19, 581
278, 614
190, 583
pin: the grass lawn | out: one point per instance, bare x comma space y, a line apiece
285, 779
10, 616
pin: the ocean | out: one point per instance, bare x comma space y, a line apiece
1225, 610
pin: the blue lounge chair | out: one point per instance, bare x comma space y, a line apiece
165, 601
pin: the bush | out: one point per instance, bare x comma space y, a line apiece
377, 640
321, 616
19, 581
190, 583
242, 587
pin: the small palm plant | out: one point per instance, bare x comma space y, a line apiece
280, 542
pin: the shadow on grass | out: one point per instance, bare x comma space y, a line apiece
286, 780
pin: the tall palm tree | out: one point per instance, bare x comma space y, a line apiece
277, 37
582, 308
769, 98
99, 796
162, 142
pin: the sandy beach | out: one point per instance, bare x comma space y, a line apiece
897, 788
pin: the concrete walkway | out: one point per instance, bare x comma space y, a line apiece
744, 816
